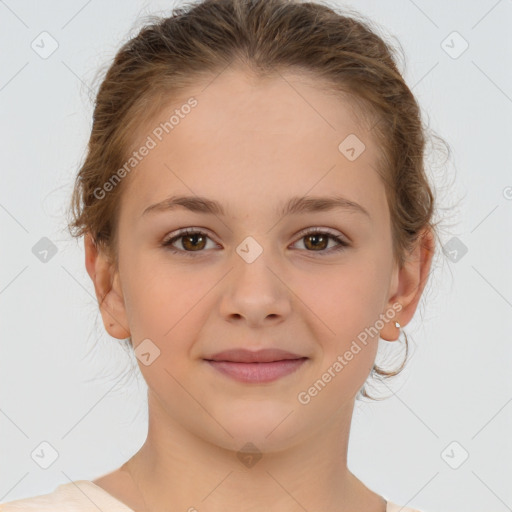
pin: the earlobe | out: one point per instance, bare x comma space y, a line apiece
107, 288
412, 278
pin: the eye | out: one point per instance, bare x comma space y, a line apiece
193, 240
318, 240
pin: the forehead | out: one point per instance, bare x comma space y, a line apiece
247, 139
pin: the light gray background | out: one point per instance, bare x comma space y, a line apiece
457, 384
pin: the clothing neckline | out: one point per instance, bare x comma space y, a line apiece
107, 495
102, 492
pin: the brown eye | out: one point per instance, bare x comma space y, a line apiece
194, 242
316, 241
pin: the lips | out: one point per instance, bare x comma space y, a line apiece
266, 355
256, 367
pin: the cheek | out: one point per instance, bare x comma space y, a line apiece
169, 319
162, 296
168, 306
344, 299
348, 303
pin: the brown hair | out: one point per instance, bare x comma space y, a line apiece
266, 36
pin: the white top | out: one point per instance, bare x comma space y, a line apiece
85, 496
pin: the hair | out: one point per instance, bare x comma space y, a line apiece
265, 37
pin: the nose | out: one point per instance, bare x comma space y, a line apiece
255, 293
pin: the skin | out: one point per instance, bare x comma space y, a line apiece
251, 145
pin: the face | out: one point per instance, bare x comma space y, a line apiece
253, 275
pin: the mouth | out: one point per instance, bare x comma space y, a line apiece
261, 366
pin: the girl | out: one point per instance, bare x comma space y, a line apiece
256, 216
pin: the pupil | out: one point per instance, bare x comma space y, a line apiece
193, 237
316, 238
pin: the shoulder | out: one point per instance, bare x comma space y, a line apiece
78, 496
393, 507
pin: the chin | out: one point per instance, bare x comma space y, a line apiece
269, 426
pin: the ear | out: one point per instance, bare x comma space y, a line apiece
409, 282
108, 290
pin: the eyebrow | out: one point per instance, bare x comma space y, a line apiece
295, 205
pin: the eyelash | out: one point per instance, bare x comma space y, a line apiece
167, 243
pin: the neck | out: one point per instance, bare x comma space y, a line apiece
176, 470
